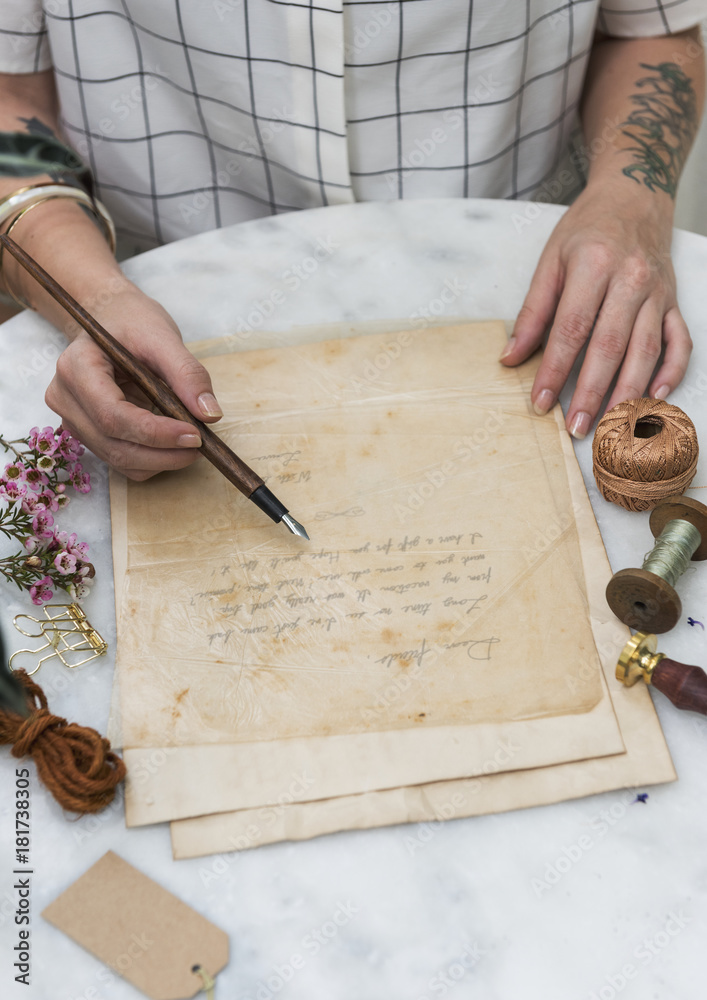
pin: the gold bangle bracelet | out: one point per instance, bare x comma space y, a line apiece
102, 215
32, 194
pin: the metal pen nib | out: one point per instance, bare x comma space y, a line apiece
295, 527
276, 510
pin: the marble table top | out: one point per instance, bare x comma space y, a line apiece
508, 906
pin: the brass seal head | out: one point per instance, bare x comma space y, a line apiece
638, 659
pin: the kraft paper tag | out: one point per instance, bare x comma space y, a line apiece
139, 930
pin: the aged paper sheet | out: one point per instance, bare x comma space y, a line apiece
432, 617
646, 761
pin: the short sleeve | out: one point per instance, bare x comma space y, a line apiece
641, 18
23, 37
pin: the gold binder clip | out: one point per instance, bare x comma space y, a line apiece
68, 634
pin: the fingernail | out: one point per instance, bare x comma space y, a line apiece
510, 346
209, 405
580, 425
189, 441
662, 392
544, 402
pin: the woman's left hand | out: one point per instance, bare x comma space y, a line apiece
605, 280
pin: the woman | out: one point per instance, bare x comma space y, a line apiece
193, 116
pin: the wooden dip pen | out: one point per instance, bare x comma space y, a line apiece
245, 479
684, 685
646, 598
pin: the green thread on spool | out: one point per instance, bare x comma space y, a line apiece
673, 550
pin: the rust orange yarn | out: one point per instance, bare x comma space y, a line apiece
644, 450
75, 763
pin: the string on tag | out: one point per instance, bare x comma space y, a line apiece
209, 983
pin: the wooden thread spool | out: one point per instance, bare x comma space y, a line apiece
646, 598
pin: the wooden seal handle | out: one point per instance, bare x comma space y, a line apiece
685, 685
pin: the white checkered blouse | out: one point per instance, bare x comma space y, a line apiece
195, 114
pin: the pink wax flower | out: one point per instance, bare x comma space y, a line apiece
69, 447
30, 503
13, 490
30, 488
41, 591
15, 472
69, 543
79, 588
46, 442
41, 525
36, 479
78, 549
65, 563
48, 501
80, 480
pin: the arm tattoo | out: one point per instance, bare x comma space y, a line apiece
38, 151
662, 125
35, 127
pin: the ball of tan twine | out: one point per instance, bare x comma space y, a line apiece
644, 451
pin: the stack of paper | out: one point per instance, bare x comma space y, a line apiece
440, 648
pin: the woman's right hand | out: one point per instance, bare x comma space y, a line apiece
108, 413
